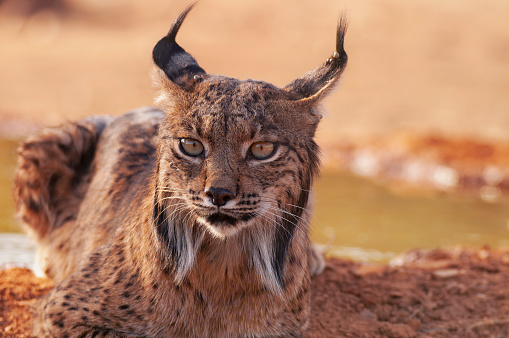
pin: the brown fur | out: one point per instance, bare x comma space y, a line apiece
129, 230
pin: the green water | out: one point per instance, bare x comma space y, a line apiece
360, 219
354, 214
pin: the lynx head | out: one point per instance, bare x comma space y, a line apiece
236, 158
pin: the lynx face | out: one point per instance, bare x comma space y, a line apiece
236, 159
235, 156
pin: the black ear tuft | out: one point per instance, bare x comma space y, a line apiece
322, 79
341, 58
177, 64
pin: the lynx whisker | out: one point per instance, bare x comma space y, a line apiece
266, 215
174, 212
291, 214
307, 211
297, 206
188, 216
170, 198
167, 206
172, 189
284, 219
284, 210
306, 190
268, 199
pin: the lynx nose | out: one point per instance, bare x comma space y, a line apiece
219, 196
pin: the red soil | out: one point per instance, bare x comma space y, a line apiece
439, 293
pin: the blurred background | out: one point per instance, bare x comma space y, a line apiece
415, 140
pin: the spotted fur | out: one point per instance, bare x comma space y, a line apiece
145, 240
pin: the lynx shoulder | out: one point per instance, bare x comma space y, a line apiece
186, 221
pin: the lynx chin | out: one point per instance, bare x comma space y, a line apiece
186, 221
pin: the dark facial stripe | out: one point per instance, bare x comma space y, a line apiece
284, 236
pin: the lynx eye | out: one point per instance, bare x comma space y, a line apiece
262, 150
191, 147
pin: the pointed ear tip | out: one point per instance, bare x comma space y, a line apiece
175, 26
341, 30
340, 39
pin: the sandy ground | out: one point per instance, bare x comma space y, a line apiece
453, 293
418, 66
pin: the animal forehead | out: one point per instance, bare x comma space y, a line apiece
223, 102
226, 93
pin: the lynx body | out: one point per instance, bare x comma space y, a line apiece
186, 221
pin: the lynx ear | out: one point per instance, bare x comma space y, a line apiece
178, 65
318, 82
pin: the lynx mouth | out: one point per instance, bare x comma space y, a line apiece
220, 220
